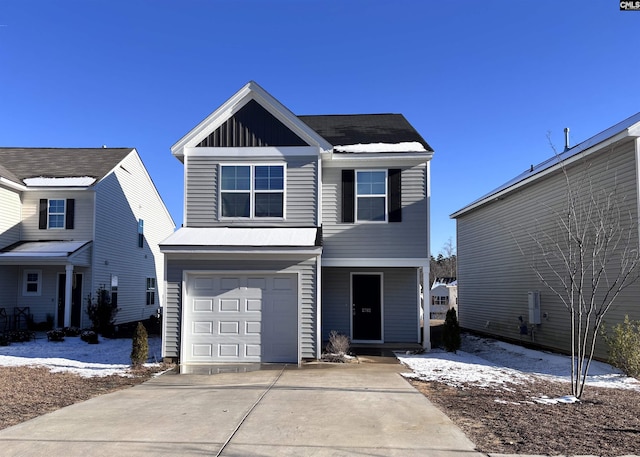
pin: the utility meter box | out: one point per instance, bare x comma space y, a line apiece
534, 307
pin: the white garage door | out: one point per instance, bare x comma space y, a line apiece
241, 318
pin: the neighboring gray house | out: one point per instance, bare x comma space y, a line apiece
295, 226
74, 220
498, 293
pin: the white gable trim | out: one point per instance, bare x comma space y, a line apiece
251, 91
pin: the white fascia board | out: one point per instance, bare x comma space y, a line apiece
580, 152
171, 255
375, 263
382, 160
8, 183
251, 91
268, 152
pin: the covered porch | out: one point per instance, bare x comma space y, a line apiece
43, 281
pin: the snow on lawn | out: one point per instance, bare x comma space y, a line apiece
486, 362
109, 356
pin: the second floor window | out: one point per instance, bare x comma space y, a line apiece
249, 191
56, 213
371, 195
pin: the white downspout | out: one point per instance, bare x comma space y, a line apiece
426, 287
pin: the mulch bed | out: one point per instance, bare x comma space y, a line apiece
606, 422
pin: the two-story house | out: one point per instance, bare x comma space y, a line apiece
295, 226
73, 221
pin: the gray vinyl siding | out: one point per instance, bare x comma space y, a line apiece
494, 276
9, 217
201, 193
172, 312
400, 302
83, 216
122, 198
406, 239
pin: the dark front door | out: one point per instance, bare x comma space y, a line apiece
366, 307
76, 299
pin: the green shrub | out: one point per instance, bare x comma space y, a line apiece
102, 312
451, 332
139, 346
624, 346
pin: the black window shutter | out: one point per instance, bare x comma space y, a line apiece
348, 195
70, 214
395, 195
42, 221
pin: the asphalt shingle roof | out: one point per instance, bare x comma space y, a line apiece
349, 129
17, 164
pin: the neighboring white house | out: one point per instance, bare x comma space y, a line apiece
444, 296
296, 226
73, 221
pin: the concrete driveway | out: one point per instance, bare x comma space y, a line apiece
317, 410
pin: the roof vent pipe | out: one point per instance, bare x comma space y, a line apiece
566, 138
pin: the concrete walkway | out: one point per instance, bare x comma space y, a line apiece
364, 409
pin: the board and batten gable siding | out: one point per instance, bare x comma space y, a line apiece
400, 302
202, 187
122, 198
10, 217
83, 215
494, 276
406, 239
172, 312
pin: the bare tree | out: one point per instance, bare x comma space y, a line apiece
445, 265
586, 256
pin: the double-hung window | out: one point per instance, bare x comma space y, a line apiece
56, 214
252, 191
151, 291
371, 195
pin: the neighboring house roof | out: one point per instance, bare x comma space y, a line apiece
42, 251
20, 164
366, 129
630, 127
444, 282
242, 237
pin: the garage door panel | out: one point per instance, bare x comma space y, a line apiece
243, 318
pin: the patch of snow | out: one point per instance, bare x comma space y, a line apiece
108, 357
490, 363
71, 181
410, 146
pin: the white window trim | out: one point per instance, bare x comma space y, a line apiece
386, 196
252, 191
49, 213
151, 288
25, 275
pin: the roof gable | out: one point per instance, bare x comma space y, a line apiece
234, 105
252, 126
20, 164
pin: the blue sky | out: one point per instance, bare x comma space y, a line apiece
484, 82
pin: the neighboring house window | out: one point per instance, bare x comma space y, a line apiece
437, 300
151, 291
32, 282
252, 191
114, 291
56, 214
140, 233
371, 195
